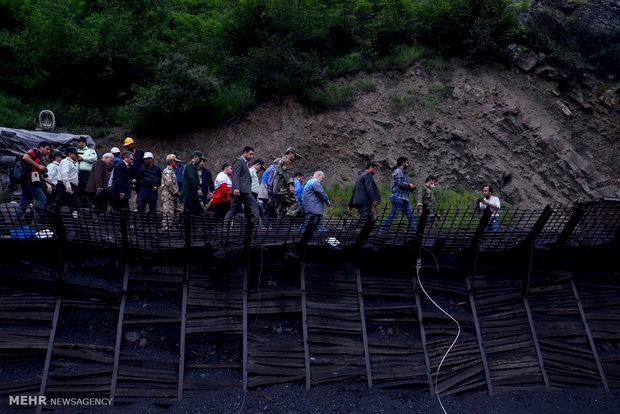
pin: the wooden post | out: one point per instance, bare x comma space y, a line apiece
529, 244
124, 231
119, 335
586, 325
304, 325
182, 339
541, 362
474, 245
360, 298
485, 363
571, 225
48, 354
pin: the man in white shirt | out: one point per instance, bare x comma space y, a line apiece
491, 201
66, 187
53, 173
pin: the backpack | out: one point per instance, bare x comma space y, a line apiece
18, 171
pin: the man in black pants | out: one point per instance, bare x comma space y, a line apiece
366, 195
242, 187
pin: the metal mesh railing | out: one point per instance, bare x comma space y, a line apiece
451, 231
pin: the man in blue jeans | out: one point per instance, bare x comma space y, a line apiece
32, 183
401, 187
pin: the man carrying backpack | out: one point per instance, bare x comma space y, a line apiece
29, 176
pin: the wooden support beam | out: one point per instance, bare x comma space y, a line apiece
245, 329
474, 244
307, 235
427, 361
182, 340
304, 324
364, 233
485, 363
569, 227
528, 245
586, 325
541, 362
119, 335
48, 354
124, 231
360, 298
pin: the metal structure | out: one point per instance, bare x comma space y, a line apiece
163, 315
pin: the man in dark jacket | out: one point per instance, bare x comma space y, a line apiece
97, 186
191, 185
148, 180
366, 195
242, 187
206, 182
120, 187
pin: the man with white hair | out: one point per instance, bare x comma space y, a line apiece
315, 200
97, 186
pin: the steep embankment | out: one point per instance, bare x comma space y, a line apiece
526, 129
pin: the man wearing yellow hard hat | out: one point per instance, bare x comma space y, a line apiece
138, 158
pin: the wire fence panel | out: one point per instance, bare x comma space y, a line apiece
450, 231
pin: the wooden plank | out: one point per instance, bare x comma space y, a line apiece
119, 335
362, 312
427, 361
50, 349
483, 354
541, 362
304, 323
245, 328
182, 341
586, 325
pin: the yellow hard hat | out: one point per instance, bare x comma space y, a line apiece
128, 141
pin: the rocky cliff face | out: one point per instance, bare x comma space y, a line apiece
525, 129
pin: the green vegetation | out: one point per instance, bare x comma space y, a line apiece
162, 64
402, 103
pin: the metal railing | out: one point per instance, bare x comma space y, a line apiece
585, 224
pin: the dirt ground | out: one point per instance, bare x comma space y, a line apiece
357, 399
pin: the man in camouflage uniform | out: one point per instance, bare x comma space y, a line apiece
426, 198
170, 192
283, 185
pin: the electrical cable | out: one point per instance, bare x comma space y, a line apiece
458, 334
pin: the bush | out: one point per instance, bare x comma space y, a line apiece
14, 114
336, 96
401, 103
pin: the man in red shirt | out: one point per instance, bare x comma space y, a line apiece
32, 183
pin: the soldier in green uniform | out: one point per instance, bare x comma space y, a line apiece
283, 184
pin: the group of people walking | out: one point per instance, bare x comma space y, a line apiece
77, 178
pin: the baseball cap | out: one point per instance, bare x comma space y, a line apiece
291, 149
58, 154
259, 162
128, 141
115, 150
148, 155
198, 154
172, 157
81, 139
71, 150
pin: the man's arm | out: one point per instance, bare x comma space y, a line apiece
89, 156
320, 192
28, 160
236, 178
64, 175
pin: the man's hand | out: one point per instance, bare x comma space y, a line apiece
420, 209
69, 190
155, 188
411, 186
375, 204
121, 195
200, 193
209, 194
40, 167
236, 192
80, 158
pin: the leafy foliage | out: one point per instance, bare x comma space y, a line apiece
154, 63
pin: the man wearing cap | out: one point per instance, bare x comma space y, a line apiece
283, 185
86, 158
242, 187
138, 157
120, 182
206, 182
117, 156
191, 185
96, 188
170, 194
53, 173
255, 167
66, 188
148, 180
